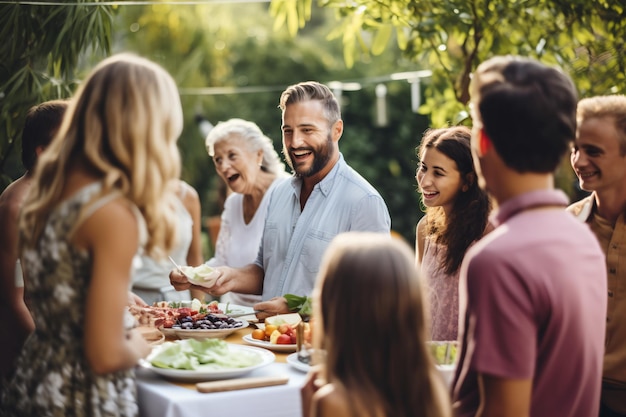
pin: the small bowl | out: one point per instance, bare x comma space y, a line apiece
447, 372
151, 335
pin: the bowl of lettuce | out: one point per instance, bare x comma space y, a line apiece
192, 360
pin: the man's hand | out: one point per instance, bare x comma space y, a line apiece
223, 277
179, 281
272, 307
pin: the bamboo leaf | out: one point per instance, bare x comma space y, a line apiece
292, 18
401, 38
381, 38
308, 6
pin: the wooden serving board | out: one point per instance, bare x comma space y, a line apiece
241, 383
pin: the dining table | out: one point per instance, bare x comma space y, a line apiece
160, 397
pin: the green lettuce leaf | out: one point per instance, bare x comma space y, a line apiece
206, 354
301, 304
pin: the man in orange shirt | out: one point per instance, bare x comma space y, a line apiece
599, 161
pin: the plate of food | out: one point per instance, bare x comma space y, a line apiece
222, 328
201, 326
277, 347
194, 319
167, 313
193, 360
296, 363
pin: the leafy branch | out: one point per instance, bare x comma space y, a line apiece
39, 59
451, 37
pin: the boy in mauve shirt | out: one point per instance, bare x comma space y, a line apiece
533, 291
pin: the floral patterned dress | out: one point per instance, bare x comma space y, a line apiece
53, 377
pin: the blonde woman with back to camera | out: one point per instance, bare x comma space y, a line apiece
370, 319
103, 189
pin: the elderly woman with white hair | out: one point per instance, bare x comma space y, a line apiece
246, 160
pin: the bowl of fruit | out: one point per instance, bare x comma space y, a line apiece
206, 326
278, 333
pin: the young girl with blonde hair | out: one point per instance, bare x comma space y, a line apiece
103, 188
370, 321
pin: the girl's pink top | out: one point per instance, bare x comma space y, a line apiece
442, 291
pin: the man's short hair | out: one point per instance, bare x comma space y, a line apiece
528, 111
612, 106
312, 90
41, 124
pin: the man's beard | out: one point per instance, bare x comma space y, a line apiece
321, 157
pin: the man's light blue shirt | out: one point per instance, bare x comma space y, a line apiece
294, 241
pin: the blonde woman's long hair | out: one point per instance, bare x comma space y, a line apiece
122, 126
370, 318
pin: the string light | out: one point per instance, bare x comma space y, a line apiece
381, 105
338, 87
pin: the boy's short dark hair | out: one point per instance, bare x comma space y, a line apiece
41, 124
527, 109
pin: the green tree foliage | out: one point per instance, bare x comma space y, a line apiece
236, 47
586, 38
39, 55
233, 47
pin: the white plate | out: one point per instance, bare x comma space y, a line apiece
185, 375
168, 331
209, 333
232, 308
295, 363
267, 345
235, 309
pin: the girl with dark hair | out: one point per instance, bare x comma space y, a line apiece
456, 217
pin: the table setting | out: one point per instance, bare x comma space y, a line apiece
267, 386
200, 371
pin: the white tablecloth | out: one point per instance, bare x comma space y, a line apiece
160, 398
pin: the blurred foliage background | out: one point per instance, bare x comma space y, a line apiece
233, 58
